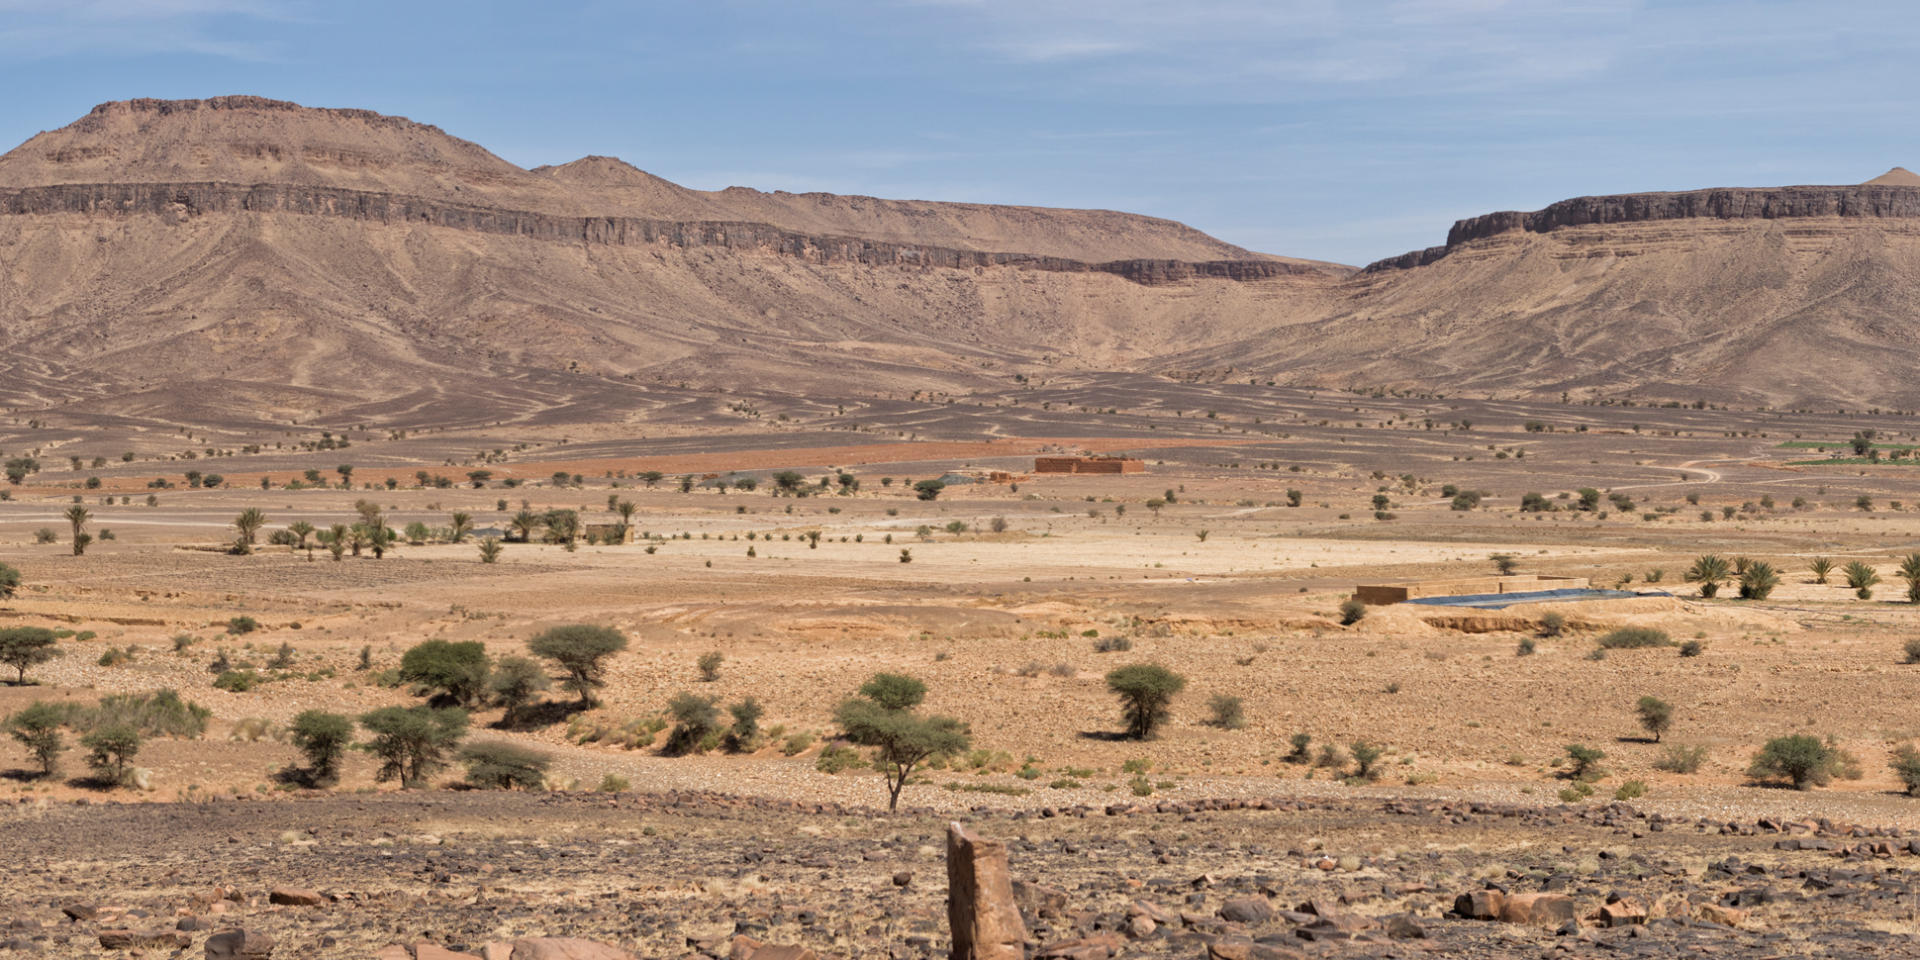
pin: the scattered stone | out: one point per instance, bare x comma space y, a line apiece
1246, 910
140, 939
1538, 909
1479, 905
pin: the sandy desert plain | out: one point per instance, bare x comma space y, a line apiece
1009, 611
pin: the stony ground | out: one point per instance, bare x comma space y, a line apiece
679, 875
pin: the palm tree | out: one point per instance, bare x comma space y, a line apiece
1821, 566
1709, 572
462, 525
336, 540
303, 530
523, 525
1861, 578
357, 538
625, 508
77, 517
1758, 581
1910, 572
248, 523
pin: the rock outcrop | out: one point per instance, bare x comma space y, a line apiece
1868, 201
982, 914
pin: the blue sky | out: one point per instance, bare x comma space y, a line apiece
1339, 130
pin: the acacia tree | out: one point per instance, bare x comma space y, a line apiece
413, 742
1146, 693
322, 737
37, 727
882, 717
457, 669
23, 647
582, 651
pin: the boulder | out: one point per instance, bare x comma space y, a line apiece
1100, 946
239, 945
1725, 916
1538, 909
433, 951
1402, 926
295, 897
1622, 912
981, 911
1246, 910
1479, 904
1039, 900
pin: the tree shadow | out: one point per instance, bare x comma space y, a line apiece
293, 775
95, 783
546, 713
1633, 739
1106, 736
23, 776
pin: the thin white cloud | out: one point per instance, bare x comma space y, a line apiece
49, 29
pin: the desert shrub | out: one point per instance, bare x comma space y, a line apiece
837, 758
709, 664
1905, 764
1676, 758
695, 718
237, 681
1553, 625
1120, 644
1692, 648
282, 658
115, 656
158, 714
1298, 745
1631, 638
1365, 755
745, 732
322, 738
1631, 790
582, 651
796, 743
254, 730
1655, 715
242, 625
1583, 762
1226, 712
181, 641
110, 751
614, 783
495, 765
1526, 647
458, 670
1146, 692
1803, 761
1330, 757
413, 742
1352, 611
514, 683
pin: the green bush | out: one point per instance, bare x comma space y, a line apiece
1583, 762
614, 783
1146, 692
1676, 758
1912, 649
37, 727
1226, 712
457, 670
1630, 638
158, 714
836, 757
237, 681
695, 718
1692, 648
1803, 761
709, 664
1352, 611
514, 683
1300, 743
242, 625
1365, 755
496, 765
1906, 766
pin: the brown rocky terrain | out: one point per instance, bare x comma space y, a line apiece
156, 252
